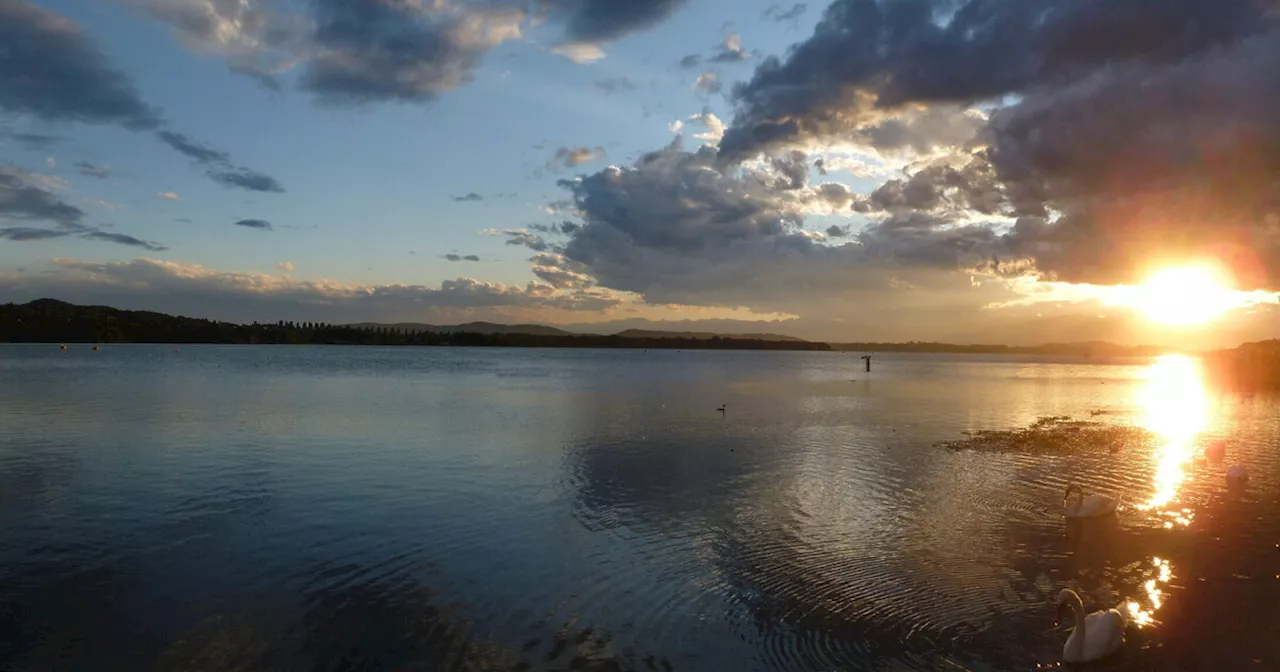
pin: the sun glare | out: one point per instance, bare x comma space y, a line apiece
1186, 295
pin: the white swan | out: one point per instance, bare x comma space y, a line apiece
1095, 636
1236, 473
1086, 507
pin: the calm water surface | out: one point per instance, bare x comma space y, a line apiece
312, 508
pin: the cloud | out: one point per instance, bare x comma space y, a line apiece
33, 141
152, 284
459, 257
520, 237
836, 231
122, 239
709, 121
169, 196
260, 224
218, 164
579, 52
370, 51
731, 50
23, 197
691, 61
571, 157
708, 82
53, 71
676, 229
616, 84
866, 58
27, 234
95, 170
468, 198
600, 21
286, 266
777, 13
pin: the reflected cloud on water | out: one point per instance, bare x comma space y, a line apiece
1176, 409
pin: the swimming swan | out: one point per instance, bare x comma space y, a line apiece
1236, 473
1087, 507
1095, 636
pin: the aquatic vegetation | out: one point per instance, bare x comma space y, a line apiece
1058, 435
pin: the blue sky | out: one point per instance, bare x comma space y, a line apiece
889, 169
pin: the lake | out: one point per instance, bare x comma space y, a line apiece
344, 508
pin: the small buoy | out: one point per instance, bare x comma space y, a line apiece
1216, 450
64, 346
95, 348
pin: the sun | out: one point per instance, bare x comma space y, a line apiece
1184, 295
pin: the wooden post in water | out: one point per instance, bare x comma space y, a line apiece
867, 359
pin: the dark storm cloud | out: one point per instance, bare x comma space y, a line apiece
836, 231
94, 170
51, 70
122, 239
598, 21
468, 198
459, 257
218, 165
777, 13
259, 224
24, 199
866, 56
371, 51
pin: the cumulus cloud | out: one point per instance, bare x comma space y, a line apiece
867, 56
579, 52
285, 266
708, 82
1096, 138
370, 51
571, 157
731, 50
218, 164
691, 61
460, 257
54, 71
177, 288
94, 170
260, 224
468, 198
169, 196
676, 229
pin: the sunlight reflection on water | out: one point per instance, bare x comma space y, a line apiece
1176, 409
1143, 616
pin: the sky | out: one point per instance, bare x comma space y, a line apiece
978, 171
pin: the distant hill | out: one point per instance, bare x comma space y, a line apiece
486, 328
703, 335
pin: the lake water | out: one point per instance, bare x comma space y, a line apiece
327, 508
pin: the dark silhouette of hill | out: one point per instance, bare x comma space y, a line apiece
702, 335
51, 321
469, 328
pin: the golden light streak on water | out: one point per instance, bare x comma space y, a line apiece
1176, 409
1144, 615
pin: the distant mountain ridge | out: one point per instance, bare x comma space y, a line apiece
490, 328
